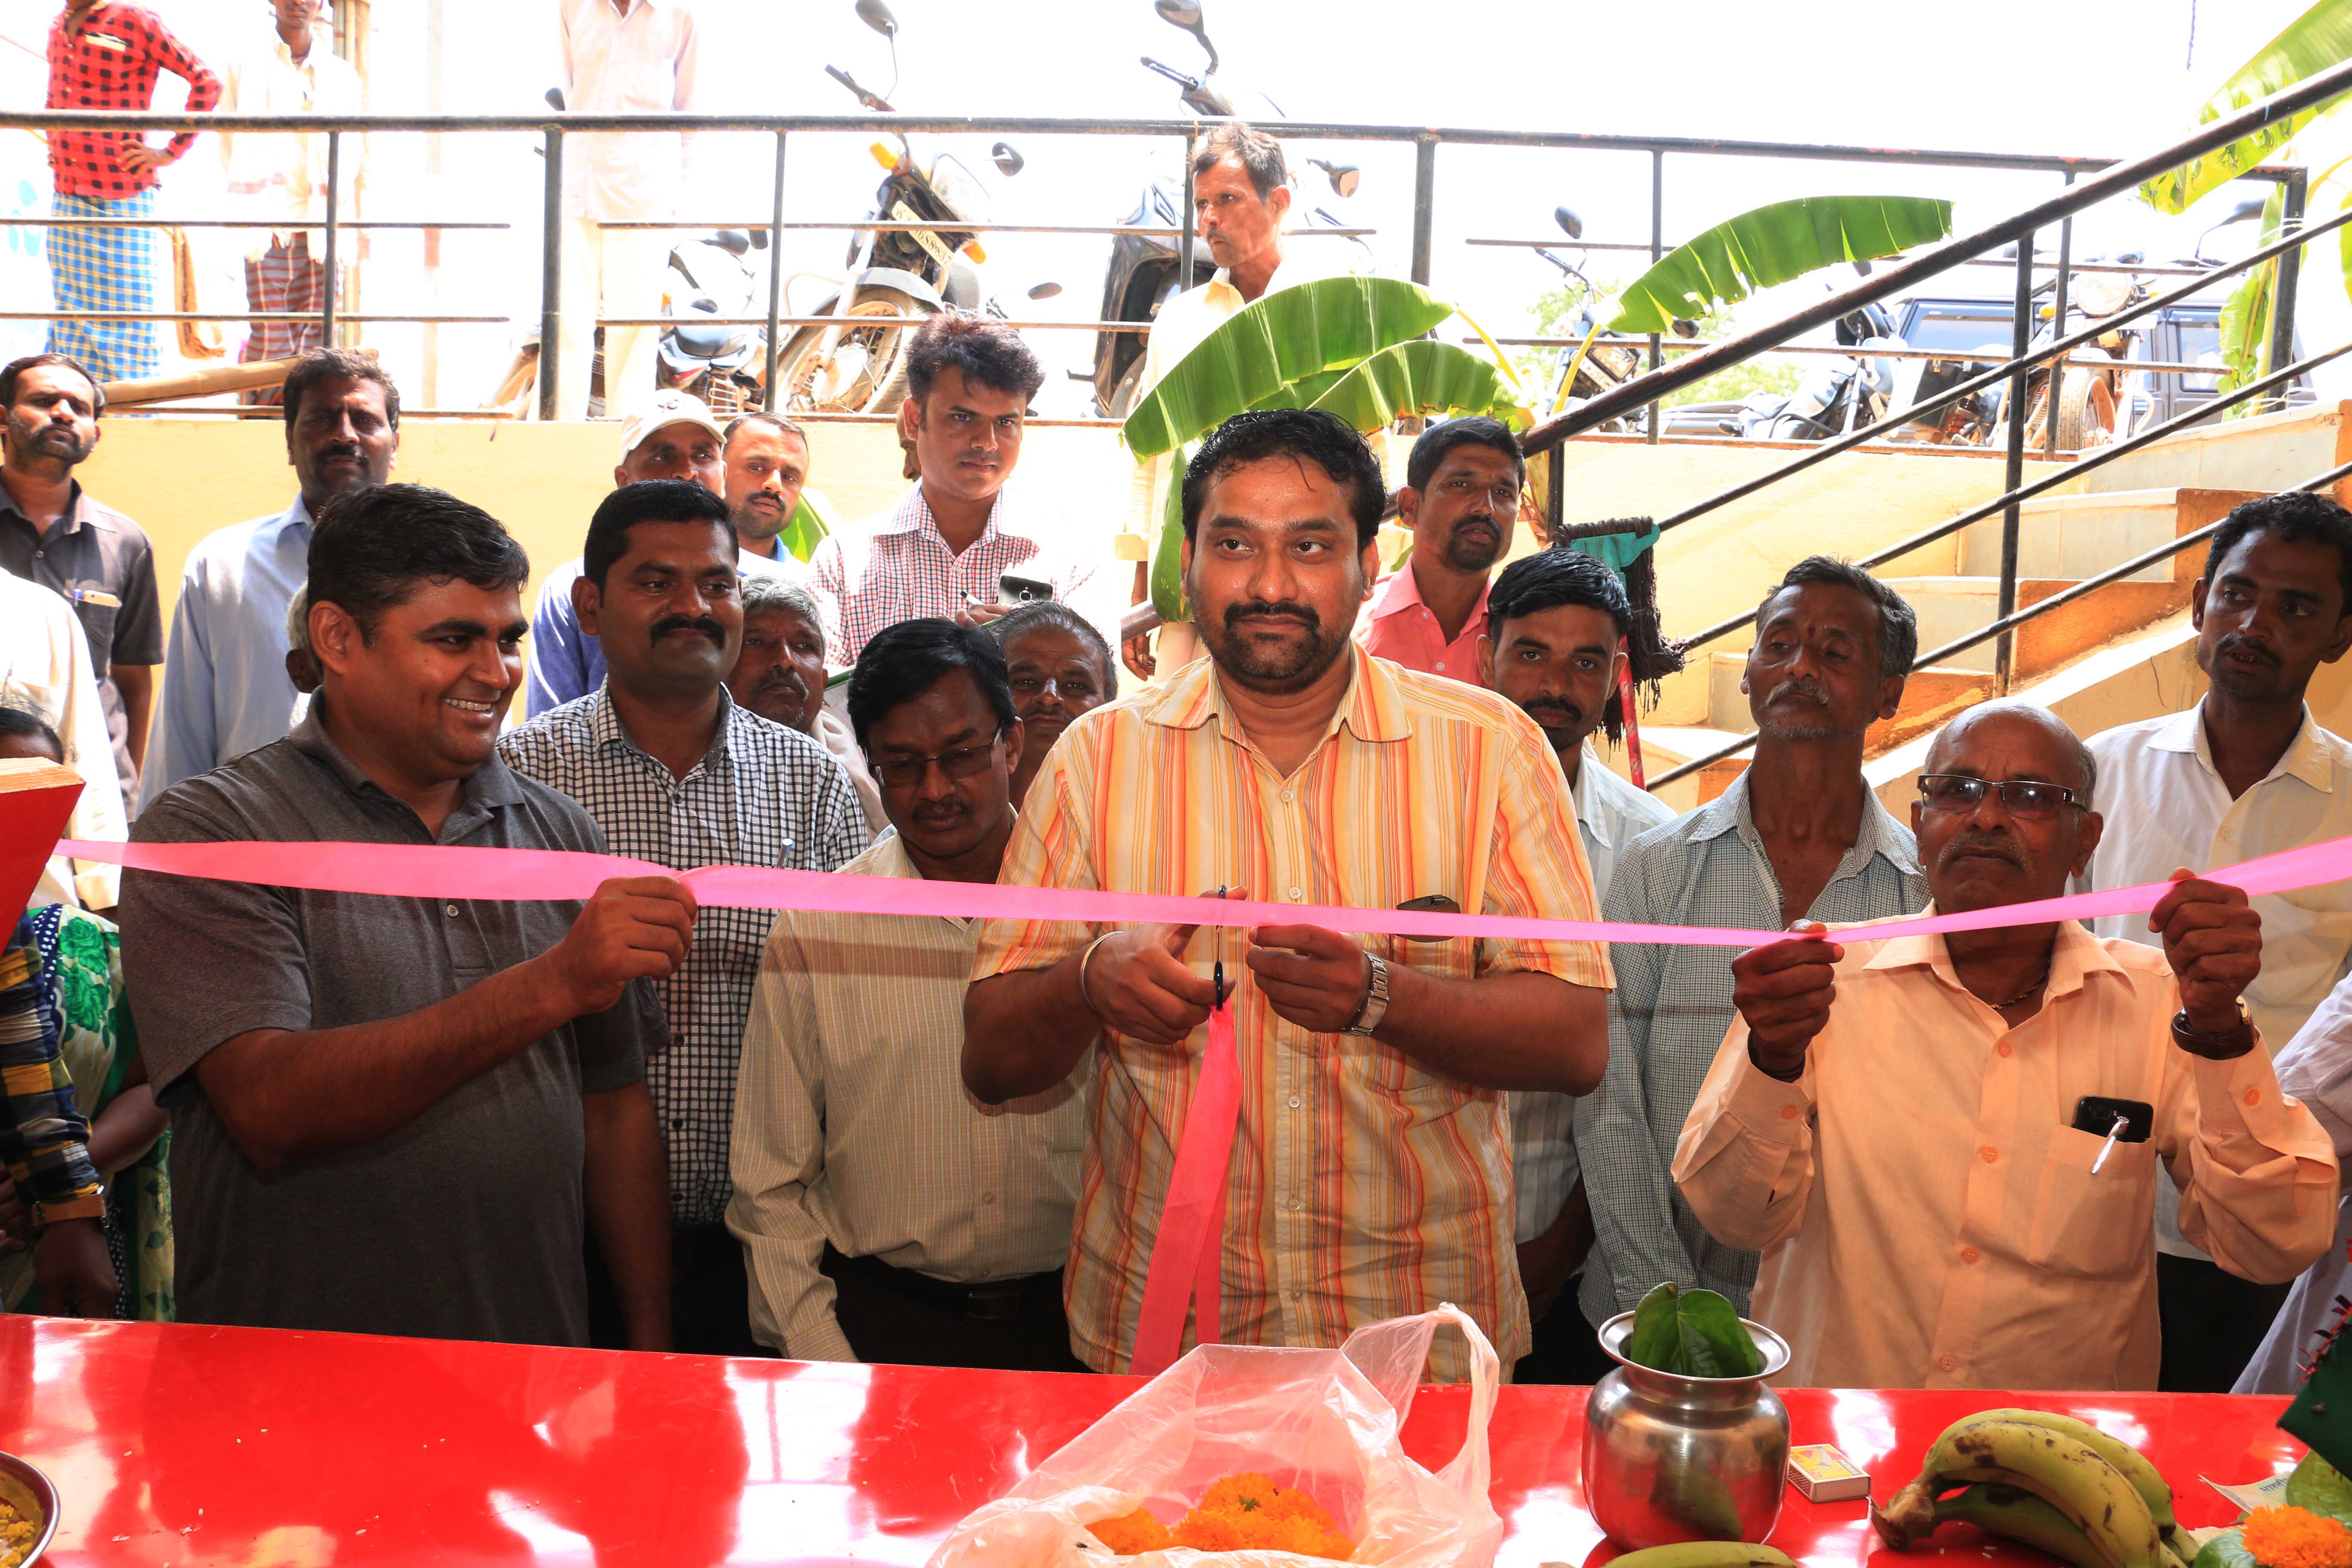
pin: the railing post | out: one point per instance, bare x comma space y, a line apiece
1424, 204
2057, 374
1184, 249
2021, 342
2290, 268
335, 168
551, 273
1657, 249
775, 281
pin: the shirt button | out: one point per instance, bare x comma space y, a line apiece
1788, 1113
453, 911
988, 1197
1295, 1292
1947, 1362
1968, 1255
2253, 1097
677, 1124
1297, 1204
2004, 1047
1440, 664
1293, 1102
1298, 893
1987, 1153
1286, 797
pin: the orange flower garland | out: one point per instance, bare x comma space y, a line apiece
2296, 1538
1249, 1512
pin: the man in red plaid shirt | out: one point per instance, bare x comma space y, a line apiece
106, 55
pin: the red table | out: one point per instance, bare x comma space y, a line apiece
265, 1449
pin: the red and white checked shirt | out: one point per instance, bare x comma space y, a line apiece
111, 63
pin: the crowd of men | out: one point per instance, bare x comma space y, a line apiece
2024, 1155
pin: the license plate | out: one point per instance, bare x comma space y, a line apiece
923, 236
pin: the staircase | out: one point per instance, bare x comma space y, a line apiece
2120, 653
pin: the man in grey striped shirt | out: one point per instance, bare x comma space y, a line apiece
1799, 837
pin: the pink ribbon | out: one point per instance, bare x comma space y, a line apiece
1188, 1254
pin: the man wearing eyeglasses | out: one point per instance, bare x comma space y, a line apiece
887, 1215
675, 772
1947, 1146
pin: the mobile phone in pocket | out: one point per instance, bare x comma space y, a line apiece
2096, 1113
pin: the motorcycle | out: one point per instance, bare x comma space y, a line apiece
723, 365
845, 367
2089, 395
1142, 273
1611, 361
1839, 394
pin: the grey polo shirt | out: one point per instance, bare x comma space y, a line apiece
465, 1224
103, 565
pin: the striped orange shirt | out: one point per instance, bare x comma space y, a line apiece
1363, 1185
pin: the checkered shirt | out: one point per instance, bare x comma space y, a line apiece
897, 567
1668, 1016
764, 796
111, 63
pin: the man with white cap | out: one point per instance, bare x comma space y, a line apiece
672, 436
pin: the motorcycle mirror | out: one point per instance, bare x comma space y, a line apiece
1044, 290
555, 99
2244, 212
877, 16
1570, 222
1344, 177
1202, 99
759, 239
1685, 328
1008, 161
1186, 14
733, 241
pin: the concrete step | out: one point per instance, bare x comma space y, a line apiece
2261, 455
1951, 607
2082, 535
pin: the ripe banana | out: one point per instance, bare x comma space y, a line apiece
2153, 1488
2062, 1471
1705, 1555
2020, 1516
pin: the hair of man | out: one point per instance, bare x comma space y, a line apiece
1259, 155
1474, 430
25, 723
298, 620
901, 662
2294, 516
371, 548
648, 501
17, 368
1309, 435
989, 354
764, 592
338, 364
1055, 613
775, 422
1898, 623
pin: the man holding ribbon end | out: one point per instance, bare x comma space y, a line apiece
1947, 1145
1369, 1174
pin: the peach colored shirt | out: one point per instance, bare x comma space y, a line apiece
1395, 625
1926, 1212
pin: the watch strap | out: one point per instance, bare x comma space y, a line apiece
1376, 998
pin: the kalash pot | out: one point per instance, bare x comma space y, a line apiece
1670, 1459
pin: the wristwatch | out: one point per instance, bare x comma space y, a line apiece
2235, 1041
89, 1206
1376, 998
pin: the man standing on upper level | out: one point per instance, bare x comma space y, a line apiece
1460, 497
106, 55
619, 56
1241, 194
2246, 771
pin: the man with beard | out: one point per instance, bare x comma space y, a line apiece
1461, 495
1799, 835
1060, 668
888, 1215
52, 533
780, 675
225, 690
1558, 620
1901, 1125
2246, 771
675, 772
1371, 1171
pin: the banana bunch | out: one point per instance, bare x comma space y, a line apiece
2049, 1481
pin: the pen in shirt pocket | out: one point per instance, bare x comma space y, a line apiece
104, 601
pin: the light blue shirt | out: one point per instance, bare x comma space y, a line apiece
225, 690
566, 663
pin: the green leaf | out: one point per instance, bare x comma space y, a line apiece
1691, 1334
2320, 38
2245, 330
1420, 377
813, 517
2227, 1550
1167, 555
1324, 324
1771, 245
2321, 1487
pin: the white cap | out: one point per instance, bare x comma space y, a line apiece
665, 408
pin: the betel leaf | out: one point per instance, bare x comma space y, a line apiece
2320, 1488
2319, 39
1324, 324
2226, 1550
1771, 245
1691, 1334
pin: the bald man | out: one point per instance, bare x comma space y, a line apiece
1915, 1131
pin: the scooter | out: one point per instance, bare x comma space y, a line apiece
723, 365
1142, 275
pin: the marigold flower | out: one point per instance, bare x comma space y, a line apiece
1205, 1532
1131, 1533
1239, 1494
2296, 1538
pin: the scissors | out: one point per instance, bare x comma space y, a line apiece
1217, 970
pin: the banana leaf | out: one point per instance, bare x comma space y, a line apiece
1167, 553
2320, 38
1771, 245
814, 518
2246, 318
1328, 323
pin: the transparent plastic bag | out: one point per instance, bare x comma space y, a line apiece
1324, 1421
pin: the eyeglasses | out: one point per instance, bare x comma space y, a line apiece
907, 772
2019, 797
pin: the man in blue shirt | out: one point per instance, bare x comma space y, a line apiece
225, 689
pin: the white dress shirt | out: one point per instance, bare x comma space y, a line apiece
1609, 812
637, 62
2166, 807
283, 174
2314, 1067
44, 666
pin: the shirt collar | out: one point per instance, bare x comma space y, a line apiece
1400, 590
1880, 835
80, 512
913, 513
491, 785
2074, 955
1372, 708
2306, 758
605, 727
